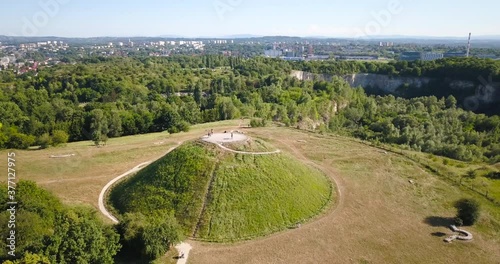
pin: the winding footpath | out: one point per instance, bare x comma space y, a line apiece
183, 247
220, 138
102, 208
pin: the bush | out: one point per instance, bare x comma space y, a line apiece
467, 211
59, 137
258, 122
20, 141
458, 221
183, 126
44, 141
494, 175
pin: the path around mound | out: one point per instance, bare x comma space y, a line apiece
220, 138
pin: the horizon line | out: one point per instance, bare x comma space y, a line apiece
243, 36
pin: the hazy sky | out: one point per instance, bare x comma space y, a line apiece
334, 18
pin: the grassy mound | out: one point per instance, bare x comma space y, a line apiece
221, 196
176, 182
259, 195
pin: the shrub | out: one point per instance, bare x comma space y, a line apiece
494, 175
59, 137
20, 141
183, 126
44, 141
467, 211
258, 122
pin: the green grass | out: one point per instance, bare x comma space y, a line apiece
221, 196
251, 145
175, 182
258, 195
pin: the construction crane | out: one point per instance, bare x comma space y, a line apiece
468, 46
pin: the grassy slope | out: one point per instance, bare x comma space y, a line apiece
175, 182
259, 195
251, 196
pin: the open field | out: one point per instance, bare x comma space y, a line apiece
380, 217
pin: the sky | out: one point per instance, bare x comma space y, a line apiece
218, 18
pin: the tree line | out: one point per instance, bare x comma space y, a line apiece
101, 98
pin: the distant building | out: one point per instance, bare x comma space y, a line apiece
454, 54
429, 56
411, 56
318, 57
356, 57
293, 58
487, 56
273, 53
386, 44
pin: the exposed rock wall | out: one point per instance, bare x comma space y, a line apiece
379, 81
472, 96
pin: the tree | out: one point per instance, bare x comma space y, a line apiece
59, 137
451, 102
30, 258
44, 141
19, 140
79, 237
149, 236
160, 234
98, 125
468, 210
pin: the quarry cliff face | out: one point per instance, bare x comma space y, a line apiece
471, 95
383, 82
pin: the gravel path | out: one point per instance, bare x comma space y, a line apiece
230, 137
183, 247
102, 208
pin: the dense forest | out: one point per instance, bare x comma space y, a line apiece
49, 232
100, 98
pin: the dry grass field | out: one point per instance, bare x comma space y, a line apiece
379, 217
79, 179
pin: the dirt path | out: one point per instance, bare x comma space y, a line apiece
102, 207
219, 138
183, 247
246, 152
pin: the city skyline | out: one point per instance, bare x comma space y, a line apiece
221, 18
